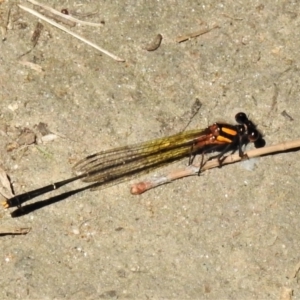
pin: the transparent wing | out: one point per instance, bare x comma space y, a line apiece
119, 164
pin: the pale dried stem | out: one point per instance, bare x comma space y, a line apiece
70, 32
61, 15
191, 170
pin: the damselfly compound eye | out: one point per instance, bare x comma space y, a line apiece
241, 118
253, 135
260, 143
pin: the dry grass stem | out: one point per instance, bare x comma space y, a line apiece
33, 12
70, 20
188, 36
32, 66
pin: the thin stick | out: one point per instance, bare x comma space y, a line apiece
191, 170
63, 16
14, 231
4, 29
70, 32
188, 36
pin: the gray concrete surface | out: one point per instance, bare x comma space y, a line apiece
230, 234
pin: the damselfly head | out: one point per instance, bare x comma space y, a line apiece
253, 135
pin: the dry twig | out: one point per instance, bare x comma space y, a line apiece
14, 231
191, 170
5, 27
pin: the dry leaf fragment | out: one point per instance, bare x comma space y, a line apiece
153, 45
286, 293
43, 128
5, 187
27, 137
12, 146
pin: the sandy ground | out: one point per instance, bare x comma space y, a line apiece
230, 234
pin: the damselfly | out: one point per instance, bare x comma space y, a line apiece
113, 166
